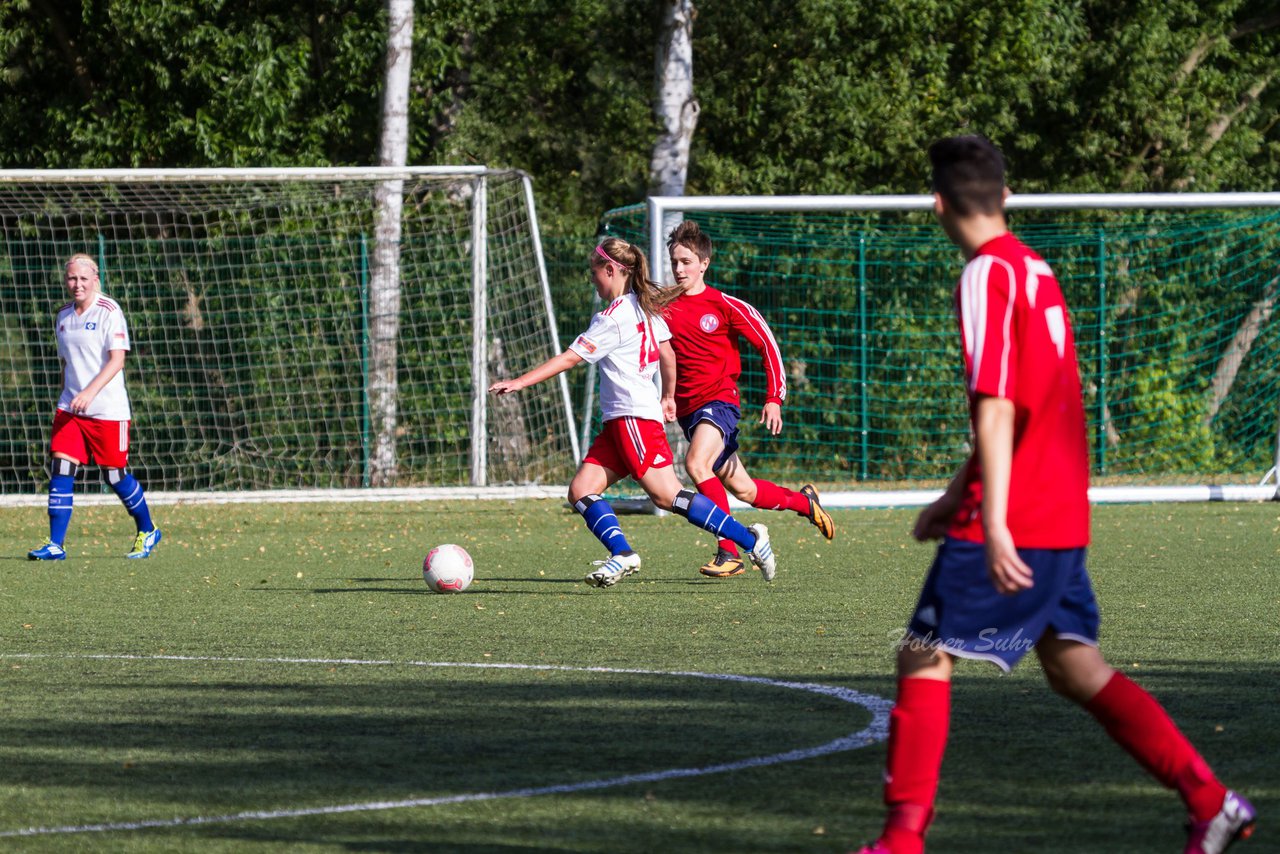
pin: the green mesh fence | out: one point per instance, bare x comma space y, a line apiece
1173, 312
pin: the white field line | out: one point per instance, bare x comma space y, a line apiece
875, 731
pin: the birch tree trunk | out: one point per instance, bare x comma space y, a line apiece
384, 289
674, 103
676, 109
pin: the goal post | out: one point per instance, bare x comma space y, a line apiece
294, 329
1173, 299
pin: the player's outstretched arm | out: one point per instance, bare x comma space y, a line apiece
548, 369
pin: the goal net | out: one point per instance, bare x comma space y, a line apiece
1173, 302
293, 329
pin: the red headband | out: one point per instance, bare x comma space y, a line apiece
605, 256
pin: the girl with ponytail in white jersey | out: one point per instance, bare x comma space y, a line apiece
630, 343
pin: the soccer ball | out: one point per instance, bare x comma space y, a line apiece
448, 569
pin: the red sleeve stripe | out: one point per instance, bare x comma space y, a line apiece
109, 305
761, 337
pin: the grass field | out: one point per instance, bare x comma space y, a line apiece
276, 659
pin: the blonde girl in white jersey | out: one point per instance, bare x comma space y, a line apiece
93, 414
630, 342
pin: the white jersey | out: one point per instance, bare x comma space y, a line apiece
85, 342
624, 341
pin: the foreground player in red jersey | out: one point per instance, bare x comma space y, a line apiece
705, 327
1010, 573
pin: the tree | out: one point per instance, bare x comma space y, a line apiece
162, 83
1085, 96
384, 289
674, 101
1089, 96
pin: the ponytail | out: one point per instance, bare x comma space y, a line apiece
653, 298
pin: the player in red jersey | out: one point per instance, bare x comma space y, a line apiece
706, 325
1010, 574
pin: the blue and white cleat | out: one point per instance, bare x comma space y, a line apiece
614, 569
1234, 821
144, 544
762, 552
49, 551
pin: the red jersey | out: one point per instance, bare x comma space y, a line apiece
704, 333
1018, 345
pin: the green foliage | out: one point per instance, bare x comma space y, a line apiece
1088, 95
152, 83
1083, 95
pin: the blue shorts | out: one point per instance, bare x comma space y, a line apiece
724, 417
961, 612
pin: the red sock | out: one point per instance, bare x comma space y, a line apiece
1140, 725
917, 739
770, 496
714, 489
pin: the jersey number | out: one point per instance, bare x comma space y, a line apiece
648, 347
1054, 317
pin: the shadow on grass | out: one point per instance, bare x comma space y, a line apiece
1028, 771
1025, 770
120, 744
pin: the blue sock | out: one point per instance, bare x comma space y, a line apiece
62, 489
703, 512
130, 492
603, 523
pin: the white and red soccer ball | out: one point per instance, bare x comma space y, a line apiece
448, 569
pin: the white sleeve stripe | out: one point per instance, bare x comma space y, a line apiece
974, 308
973, 295
772, 354
1008, 328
